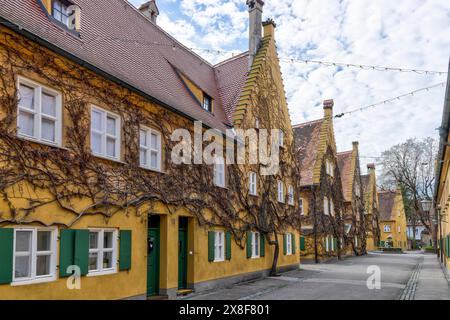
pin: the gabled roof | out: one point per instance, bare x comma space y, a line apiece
365, 181
231, 76
120, 41
307, 140
344, 160
387, 202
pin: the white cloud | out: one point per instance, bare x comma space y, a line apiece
408, 33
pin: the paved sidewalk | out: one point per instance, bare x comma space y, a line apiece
431, 283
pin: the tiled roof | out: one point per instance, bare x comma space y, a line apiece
387, 201
307, 139
231, 76
117, 39
344, 160
365, 180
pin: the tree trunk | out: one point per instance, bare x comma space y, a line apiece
273, 271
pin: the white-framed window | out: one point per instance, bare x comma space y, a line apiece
256, 123
332, 207
281, 137
342, 243
39, 114
280, 191
150, 150
387, 228
329, 168
60, 11
207, 102
253, 187
219, 172
332, 243
255, 244
326, 208
219, 246
399, 229
327, 244
348, 227
356, 241
291, 195
34, 255
289, 244
300, 206
105, 133
102, 251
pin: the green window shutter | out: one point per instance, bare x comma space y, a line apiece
249, 244
262, 247
381, 243
81, 252
66, 251
293, 244
302, 244
447, 246
6, 255
335, 244
125, 250
211, 239
284, 244
228, 245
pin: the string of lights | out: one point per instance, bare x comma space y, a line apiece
338, 64
412, 93
286, 59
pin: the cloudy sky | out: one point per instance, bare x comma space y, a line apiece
404, 33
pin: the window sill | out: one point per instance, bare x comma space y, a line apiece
34, 281
102, 273
42, 142
220, 260
256, 257
152, 170
96, 155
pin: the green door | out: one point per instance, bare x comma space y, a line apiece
182, 254
153, 245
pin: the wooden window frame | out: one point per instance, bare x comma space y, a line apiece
100, 250
104, 134
33, 253
148, 149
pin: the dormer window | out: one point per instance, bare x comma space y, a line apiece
207, 102
66, 13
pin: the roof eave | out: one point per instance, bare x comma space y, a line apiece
442, 142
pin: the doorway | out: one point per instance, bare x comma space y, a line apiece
182, 253
153, 255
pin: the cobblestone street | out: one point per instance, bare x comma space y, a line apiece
410, 276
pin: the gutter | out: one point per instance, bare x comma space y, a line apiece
443, 141
31, 36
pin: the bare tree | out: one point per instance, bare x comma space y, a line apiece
410, 166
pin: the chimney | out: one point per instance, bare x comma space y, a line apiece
328, 108
371, 168
255, 9
150, 10
355, 145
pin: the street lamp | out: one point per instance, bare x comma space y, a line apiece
426, 205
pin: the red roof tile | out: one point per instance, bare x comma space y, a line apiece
387, 201
344, 160
231, 75
307, 139
116, 38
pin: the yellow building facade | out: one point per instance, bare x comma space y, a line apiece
392, 220
90, 209
369, 182
442, 186
321, 189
